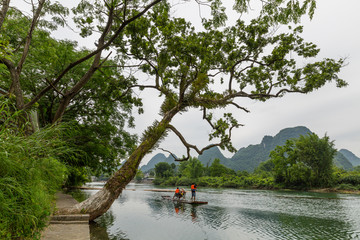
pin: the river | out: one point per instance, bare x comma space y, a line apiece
230, 214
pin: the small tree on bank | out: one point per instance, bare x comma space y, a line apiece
304, 162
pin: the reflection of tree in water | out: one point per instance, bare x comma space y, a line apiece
98, 232
106, 220
98, 228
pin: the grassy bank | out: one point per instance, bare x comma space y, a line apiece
30, 174
29, 177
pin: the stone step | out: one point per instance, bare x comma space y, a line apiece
69, 222
70, 217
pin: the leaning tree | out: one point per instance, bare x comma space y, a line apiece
210, 69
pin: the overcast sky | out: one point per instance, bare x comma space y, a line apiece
336, 112
330, 110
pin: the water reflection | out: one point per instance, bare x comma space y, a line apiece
232, 214
193, 213
98, 232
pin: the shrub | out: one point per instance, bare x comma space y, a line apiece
172, 181
350, 179
184, 181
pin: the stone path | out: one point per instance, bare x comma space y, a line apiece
63, 227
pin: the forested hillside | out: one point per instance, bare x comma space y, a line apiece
248, 158
354, 160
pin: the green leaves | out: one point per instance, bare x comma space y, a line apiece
304, 162
287, 11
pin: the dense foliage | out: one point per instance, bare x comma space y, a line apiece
30, 174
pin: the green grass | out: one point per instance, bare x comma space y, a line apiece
30, 174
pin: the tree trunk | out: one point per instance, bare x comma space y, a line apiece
99, 203
4, 9
15, 88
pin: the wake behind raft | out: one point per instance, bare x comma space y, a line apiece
183, 201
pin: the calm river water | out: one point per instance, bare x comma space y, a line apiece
230, 214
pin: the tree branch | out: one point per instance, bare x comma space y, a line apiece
50, 83
190, 146
29, 36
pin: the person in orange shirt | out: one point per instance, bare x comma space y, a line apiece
177, 193
193, 191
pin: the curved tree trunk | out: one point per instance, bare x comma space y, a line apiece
99, 203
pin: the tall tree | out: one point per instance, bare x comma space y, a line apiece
217, 169
249, 60
194, 168
304, 162
163, 170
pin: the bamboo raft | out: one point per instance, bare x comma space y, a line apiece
183, 201
97, 188
160, 190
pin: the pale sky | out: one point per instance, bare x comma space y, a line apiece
336, 112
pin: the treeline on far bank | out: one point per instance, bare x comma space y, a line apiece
303, 163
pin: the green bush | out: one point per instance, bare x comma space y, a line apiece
184, 181
350, 179
214, 182
232, 183
172, 181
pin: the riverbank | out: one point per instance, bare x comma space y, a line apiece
333, 190
74, 227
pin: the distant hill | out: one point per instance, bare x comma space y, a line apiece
155, 160
342, 162
248, 158
354, 160
209, 155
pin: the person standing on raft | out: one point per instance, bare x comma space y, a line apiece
193, 191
